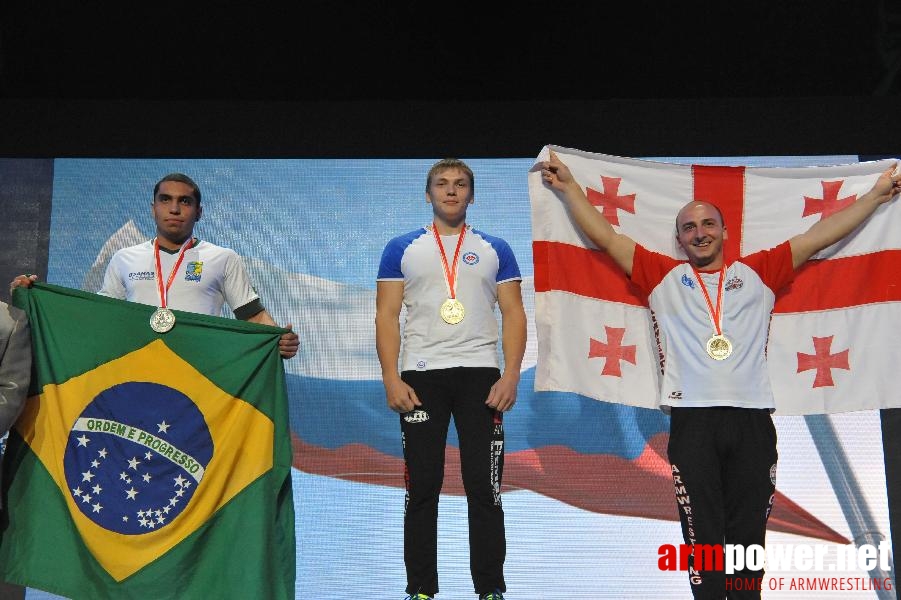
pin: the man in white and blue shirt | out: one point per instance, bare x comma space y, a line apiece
450, 277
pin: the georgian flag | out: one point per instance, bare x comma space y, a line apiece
833, 343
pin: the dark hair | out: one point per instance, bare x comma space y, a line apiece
450, 163
180, 178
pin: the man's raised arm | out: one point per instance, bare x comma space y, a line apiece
591, 221
826, 232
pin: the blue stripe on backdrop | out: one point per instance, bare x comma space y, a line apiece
312, 231
347, 412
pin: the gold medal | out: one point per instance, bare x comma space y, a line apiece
719, 347
452, 311
162, 320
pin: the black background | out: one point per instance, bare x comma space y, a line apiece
409, 78
403, 50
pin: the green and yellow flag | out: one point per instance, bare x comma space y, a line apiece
148, 465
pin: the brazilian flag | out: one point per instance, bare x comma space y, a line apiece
148, 465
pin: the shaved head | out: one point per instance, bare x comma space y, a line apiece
685, 208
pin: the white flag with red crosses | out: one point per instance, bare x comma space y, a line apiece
834, 338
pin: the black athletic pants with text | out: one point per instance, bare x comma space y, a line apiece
724, 471
459, 392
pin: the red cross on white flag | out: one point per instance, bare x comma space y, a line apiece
832, 338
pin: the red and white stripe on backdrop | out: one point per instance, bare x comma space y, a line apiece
835, 334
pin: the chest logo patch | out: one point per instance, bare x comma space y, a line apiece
194, 270
734, 283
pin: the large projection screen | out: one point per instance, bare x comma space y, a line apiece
311, 232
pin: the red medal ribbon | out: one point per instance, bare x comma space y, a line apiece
159, 269
450, 275
715, 315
